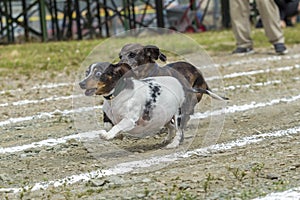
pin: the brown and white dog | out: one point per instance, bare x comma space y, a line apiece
93, 71
137, 55
142, 60
139, 106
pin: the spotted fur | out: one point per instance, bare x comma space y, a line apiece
155, 91
138, 105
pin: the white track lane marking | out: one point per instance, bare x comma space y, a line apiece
291, 194
253, 72
47, 115
34, 101
19, 189
48, 86
231, 109
127, 167
228, 110
233, 63
296, 78
57, 98
252, 105
28, 118
50, 142
257, 60
260, 84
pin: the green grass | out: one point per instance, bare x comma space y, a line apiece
31, 58
219, 41
37, 57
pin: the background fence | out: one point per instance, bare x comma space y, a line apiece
44, 20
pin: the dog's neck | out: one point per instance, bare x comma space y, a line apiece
110, 95
146, 70
120, 86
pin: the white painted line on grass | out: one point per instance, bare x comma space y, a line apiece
127, 167
48, 86
291, 194
27, 118
47, 115
252, 105
233, 63
228, 110
296, 78
253, 72
34, 101
243, 141
57, 98
42, 115
257, 60
49, 142
260, 84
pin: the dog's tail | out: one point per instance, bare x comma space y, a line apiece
208, 92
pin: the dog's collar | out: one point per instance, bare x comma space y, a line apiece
110, 95
117, 90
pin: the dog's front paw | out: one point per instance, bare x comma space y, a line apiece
166, 140
105, 135
173, 144
107, 126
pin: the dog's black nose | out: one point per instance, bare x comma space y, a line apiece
82, 84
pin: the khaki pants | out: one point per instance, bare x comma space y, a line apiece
269, 13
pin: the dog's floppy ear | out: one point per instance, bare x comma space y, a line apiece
154, 53
121, 68
162, 57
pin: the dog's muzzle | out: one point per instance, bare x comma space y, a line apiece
82, 85
88, 92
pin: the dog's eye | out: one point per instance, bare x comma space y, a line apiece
132, 55
87, 73
120, 57
98, 74
104, 78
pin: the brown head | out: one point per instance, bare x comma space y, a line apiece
103, 82
136, 54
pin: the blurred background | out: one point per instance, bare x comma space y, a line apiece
44, 20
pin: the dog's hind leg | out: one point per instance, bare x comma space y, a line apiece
178, 133
171, 132
177, 140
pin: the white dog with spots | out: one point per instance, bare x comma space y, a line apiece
138, 107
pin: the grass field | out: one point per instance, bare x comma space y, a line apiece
66, 56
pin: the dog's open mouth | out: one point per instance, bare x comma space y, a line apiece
90, 92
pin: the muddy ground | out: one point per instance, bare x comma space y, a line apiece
243, 171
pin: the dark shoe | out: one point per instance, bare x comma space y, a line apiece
259, 24
280, 49
243, 51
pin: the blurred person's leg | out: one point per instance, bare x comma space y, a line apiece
241, 27
269, 13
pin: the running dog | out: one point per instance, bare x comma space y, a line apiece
137, 55
139, 107
142, 60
